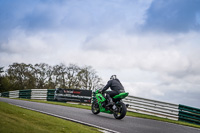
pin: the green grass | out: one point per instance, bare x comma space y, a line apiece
133, 114
19, 120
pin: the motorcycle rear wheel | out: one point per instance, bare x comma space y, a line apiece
121, 111
95, 108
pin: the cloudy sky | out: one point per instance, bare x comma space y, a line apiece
151, 45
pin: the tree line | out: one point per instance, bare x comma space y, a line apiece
20, 76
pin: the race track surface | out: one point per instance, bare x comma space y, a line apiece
126, 125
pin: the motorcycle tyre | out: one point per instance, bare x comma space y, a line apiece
93, 108
123, 111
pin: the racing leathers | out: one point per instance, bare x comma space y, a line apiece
116, 87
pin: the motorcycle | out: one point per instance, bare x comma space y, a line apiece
118, 109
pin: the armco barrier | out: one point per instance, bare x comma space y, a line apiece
5, 94
39, 94
50, 94
189, 114
14, 94
25, 94
152, 107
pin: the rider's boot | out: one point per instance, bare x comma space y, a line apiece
110, 101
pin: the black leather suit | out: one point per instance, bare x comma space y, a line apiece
116, 87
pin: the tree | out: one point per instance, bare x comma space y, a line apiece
72, 76
43, 75
1, 71
19, 75
2, 80
27, 76
59, 72
50, 83
88, 79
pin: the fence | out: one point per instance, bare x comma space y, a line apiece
136, 104
189, 114
50, 94
5, 94
152, 107
14, 94
38, 94
25, 94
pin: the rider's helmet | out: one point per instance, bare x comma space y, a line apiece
113, 77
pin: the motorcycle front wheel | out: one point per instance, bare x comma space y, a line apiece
120, 110
95, 108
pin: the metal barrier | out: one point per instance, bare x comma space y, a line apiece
50, 94
25, 94
14, 94
152, 107
39, 94
5, 94
189, 114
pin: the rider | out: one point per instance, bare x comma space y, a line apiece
116, 87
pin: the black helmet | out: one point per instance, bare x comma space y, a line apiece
113, 77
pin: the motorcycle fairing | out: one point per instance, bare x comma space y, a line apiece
121, 95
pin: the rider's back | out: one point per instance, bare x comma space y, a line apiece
116, 85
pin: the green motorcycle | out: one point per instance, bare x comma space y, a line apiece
119, 109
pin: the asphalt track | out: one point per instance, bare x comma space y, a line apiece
104, 121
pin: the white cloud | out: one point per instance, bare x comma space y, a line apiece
167, 60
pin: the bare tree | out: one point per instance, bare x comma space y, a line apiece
1, 71
28, 76
20, 75
43, 74
72, 79
88, 79
50, 83
59, 72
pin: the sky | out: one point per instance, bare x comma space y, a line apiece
151, 45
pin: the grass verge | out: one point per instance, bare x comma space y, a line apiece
19, 120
